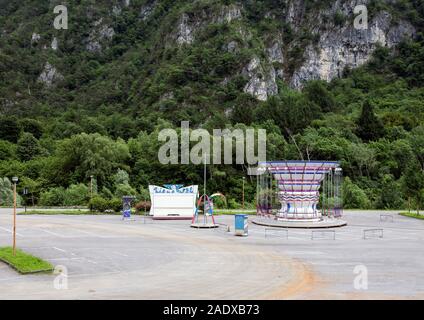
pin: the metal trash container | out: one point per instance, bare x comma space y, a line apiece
241, 225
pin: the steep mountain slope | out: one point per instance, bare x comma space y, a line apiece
198, 54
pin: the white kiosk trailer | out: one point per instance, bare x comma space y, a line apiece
173, 202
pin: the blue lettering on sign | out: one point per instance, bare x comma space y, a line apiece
173, 188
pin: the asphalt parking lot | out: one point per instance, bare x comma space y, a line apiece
107, 258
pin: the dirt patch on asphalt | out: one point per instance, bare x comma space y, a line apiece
302, 282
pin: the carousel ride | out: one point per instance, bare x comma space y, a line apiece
299, 194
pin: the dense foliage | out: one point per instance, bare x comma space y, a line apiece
103, 118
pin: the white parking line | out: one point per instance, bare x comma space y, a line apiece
94, 234
90, 261
53, 233
58, 249
65, 259
10, 231
121, 254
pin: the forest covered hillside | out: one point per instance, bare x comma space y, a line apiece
91, 100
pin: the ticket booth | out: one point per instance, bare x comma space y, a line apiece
173, 202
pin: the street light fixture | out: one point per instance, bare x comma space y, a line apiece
15, 181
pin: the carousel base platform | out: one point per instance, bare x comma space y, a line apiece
323, 223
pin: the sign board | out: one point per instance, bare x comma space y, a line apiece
126, 204
173, 201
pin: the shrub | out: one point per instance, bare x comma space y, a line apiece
143, 206
233, 204
354, 197
124, 190
53, 197
98, 203
77, 195
115, 204
220, 203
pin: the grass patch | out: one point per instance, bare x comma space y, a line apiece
233, 212
24, 263
64, 212
412, 215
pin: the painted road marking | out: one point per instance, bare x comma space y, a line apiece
121, 254
53, 233
64, 259
10, 231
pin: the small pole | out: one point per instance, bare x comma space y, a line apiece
15, 181
204, 176
243, 193
26, 198
91, 192
91, 186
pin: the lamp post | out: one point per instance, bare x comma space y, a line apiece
91, 186
15, 181
25, 193
91, 192
244, 178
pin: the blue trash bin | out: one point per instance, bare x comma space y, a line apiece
241, 225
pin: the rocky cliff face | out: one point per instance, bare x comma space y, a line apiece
261, 82
49, 76
338, 45
269, 43
100, 34
344, 46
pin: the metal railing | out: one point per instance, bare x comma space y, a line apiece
373, 234
386, 217
323, 235
276, 232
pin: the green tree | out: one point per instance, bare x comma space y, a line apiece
370, 127
53, 197
417, 143
391, 194
353, 196
9, 129
317, 92
84, 155
6, 193
413, 184
124, 190
28, 147
7, 150
77, 195
32, 126
121, 177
